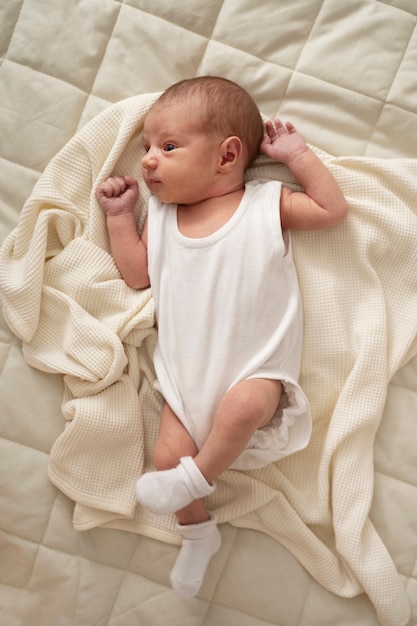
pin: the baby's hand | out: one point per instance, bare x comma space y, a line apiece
282, 143
117, 194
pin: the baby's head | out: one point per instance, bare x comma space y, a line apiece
223, 109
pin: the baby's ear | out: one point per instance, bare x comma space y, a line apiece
230, 152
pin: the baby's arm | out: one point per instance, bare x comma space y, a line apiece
322, 202
117, 196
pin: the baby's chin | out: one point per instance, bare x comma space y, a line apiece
166, 198
159, 192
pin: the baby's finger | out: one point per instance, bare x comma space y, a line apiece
290, 127
110, 188
118, 184
104, 189
270, 129
130, 181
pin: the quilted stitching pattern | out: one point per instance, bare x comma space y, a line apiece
345, 73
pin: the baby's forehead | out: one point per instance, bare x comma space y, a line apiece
172, 115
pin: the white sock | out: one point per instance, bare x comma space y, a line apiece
200, 543
171, 490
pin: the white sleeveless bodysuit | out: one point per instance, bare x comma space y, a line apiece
228, 308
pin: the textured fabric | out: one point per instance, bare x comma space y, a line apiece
228, 309
62, 295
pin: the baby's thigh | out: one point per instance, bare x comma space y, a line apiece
254, 399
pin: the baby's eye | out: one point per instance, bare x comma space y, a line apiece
168, 147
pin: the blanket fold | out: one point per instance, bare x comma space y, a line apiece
63, 296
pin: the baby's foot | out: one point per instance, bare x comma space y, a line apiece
171, 490
200, 543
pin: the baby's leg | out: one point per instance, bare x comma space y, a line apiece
245, 408
201, 537
200, 542
173, 441
178, 485
249, 405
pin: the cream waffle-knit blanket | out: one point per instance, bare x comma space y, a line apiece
63, 296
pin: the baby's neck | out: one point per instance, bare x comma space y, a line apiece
209, 215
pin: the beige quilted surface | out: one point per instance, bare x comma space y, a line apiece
345, 74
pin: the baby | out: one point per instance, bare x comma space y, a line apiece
216, 252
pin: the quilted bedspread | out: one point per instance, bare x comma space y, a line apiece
327, 536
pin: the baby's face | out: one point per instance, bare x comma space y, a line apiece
181, 160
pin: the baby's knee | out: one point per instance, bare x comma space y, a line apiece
255, 401
248, 404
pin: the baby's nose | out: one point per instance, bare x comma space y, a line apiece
149, 161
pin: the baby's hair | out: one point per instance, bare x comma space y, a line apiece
225, 109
